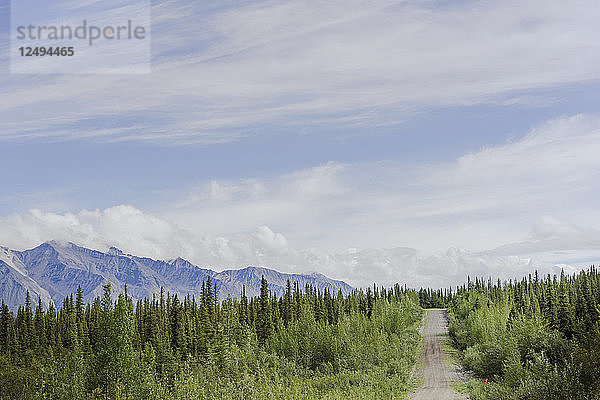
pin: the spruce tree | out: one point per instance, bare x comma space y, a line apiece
243, 313
40, 325
263, 323
6, 322
105, 362
287, 304
79, 305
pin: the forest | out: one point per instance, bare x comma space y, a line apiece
537, 338
534, 338
305, 344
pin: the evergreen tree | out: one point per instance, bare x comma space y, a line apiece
287, 304
40, 325
243, 313
6, 327
565, 312
369, 303
105, 363
79, 305
263, 323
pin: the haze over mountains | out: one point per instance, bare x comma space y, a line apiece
54, 270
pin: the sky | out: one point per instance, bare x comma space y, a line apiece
373, 141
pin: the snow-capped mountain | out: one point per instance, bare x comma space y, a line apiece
54, 270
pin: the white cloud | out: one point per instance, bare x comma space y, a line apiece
120, 225
550, 234
221, 74
530, 201
145, 235
480, 201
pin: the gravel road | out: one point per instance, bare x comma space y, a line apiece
438, 374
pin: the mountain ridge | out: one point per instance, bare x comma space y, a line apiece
54, 270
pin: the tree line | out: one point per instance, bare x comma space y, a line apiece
537, 338
307, 342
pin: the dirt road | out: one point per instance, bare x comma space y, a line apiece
438, 373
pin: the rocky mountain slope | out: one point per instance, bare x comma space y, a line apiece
54, 270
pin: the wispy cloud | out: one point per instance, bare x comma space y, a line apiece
222, 72
550, 234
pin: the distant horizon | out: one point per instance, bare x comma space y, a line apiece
556, 271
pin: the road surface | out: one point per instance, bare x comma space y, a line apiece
438, 374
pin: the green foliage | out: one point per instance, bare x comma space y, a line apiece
429, 298
306, 344
533, 339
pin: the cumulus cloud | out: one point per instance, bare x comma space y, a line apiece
146, 235
518, 206
479, 201
141, 234
99, 229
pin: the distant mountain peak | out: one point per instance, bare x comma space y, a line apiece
113, 251
55, 269
59, 243
181, 262
56, 246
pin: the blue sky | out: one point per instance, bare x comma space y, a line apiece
301, 136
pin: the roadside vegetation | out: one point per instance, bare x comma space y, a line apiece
530, 339
305, 344
534, 339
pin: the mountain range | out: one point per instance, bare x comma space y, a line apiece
54, 270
